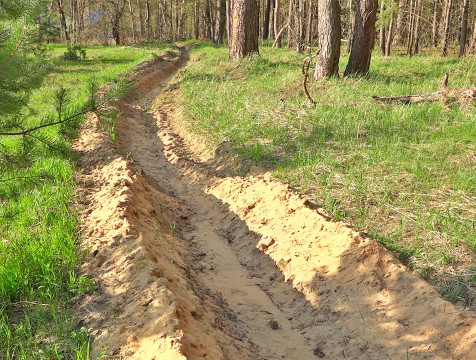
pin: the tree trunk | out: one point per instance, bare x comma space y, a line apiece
141, 20
388, 45
148, 20
196, 19
434, 28
382, 28
271, 20
364, 38
310, 11
290, 22
350, 30
131, 11
399, 27
446, 29
417, 27
472, 48
411, 25
299, 24
277, 24
463, 38
63, 20
220, 21
329, 39
244, 28
266, 19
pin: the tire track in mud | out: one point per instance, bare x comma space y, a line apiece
272, 278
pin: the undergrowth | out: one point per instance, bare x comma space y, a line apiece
405, 174
39, 233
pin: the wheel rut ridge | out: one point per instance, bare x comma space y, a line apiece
219, 275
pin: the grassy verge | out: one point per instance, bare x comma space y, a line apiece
39, 247
405, 174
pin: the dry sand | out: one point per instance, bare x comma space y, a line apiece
194, 264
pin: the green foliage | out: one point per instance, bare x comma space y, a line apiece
74, 53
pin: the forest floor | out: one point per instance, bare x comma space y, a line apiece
192, 261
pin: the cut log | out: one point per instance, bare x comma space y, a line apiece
444, 94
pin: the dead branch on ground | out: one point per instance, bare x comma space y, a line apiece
445, 95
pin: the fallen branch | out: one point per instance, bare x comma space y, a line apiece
444, 94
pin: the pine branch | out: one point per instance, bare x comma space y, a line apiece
58, 122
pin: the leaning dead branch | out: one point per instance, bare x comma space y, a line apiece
280, 34
305, 71
445, 95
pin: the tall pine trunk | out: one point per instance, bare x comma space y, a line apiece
434, 27
277, 23
400, 19
382, 36
472, 47
220, 21
329, 39
446, 28
463, 38
363, 40
133, 27
244, 28
388, 45
266, 19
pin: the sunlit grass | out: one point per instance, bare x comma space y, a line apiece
406, 174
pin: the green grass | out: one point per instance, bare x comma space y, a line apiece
406, 174
39, 233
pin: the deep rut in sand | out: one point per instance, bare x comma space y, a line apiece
250, 270
218, 267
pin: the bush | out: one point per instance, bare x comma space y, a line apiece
74, 53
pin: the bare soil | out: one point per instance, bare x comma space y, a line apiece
194, 264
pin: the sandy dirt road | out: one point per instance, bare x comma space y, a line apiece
200, 265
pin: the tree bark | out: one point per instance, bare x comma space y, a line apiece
399, 27
276, 24
63, 20
417, 27
290, 22
472, 47
133, 27
244, 28
196, 19
364, 38
220, 21
411, 25
351, 27
434, 28
310, 11
266, 19
446, 28
148, 20
463, 39
299, 24
141, 20
382, 29
329, 39
388, 45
